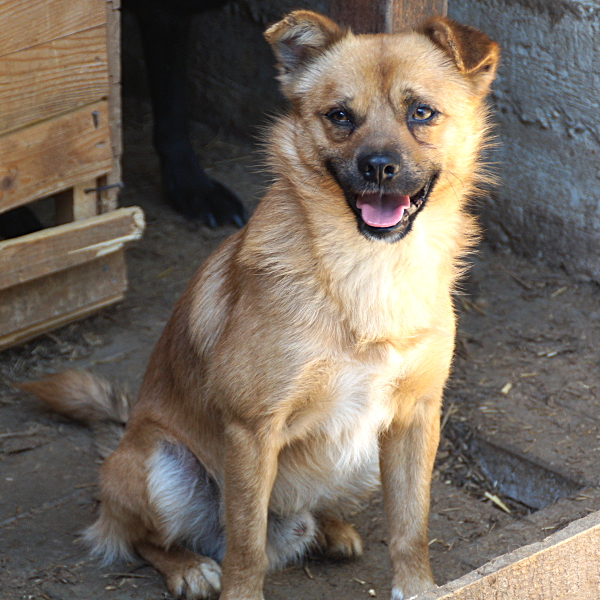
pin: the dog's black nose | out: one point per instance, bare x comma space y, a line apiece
378, 168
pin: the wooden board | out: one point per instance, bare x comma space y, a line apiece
27, 23
54, 155
107, 199
565, 566
57, 248
53, 78
384, 16
77, 203
41, 305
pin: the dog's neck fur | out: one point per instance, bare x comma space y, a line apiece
379, 297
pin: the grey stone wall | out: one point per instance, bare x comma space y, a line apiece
548, 110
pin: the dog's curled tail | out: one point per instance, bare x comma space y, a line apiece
84, 397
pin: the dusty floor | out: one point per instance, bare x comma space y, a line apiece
523, 408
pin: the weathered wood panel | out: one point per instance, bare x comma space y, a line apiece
108, 198
565, 566
384, 16
27, 23
44, 304
54, 155
53, 78
57, 248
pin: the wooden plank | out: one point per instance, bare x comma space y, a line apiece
565, 566
77, 203
41, 305
53, 78
57, 248
408, 14
108, 198
54, 155
384, 16
27, 23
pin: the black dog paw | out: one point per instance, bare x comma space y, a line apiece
195, 195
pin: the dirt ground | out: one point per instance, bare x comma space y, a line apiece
520, 423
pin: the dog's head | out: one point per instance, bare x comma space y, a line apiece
387, 119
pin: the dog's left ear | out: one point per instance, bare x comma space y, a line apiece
473, 53
299, 38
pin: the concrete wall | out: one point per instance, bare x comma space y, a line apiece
548, 110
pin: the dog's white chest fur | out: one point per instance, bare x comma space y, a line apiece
338, 456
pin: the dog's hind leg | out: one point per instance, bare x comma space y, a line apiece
188, 537
185, 501
188, 575
289, 537
337, 538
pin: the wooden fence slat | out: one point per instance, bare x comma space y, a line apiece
57, 248
384, 16
44, 304
31, 22
108, 198
54, 155
53, 78
565, 566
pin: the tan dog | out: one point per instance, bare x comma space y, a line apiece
310, 351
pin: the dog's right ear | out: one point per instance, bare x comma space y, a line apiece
299, 38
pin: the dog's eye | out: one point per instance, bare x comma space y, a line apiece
422, 113
338, 116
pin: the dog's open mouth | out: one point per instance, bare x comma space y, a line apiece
387, 212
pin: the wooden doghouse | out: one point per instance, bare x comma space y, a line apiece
60, 137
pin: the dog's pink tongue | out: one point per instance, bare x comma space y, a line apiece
382, 210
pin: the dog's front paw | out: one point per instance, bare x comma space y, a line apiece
338, 539
198, 581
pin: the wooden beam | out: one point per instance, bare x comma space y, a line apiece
54, 155
384, 16
51, 250
49, 79
565, 566
77, 203
37, 306
108, 198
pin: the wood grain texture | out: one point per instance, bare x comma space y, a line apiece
41, 305
58, 248
54, 155
562, 567
411, 14
42, 81
27, 23
384, 16
108, 199
77, 202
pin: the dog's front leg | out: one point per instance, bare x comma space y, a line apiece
250, 470
407, 452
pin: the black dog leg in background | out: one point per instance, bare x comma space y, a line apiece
165, 28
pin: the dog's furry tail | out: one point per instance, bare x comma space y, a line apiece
84, 397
